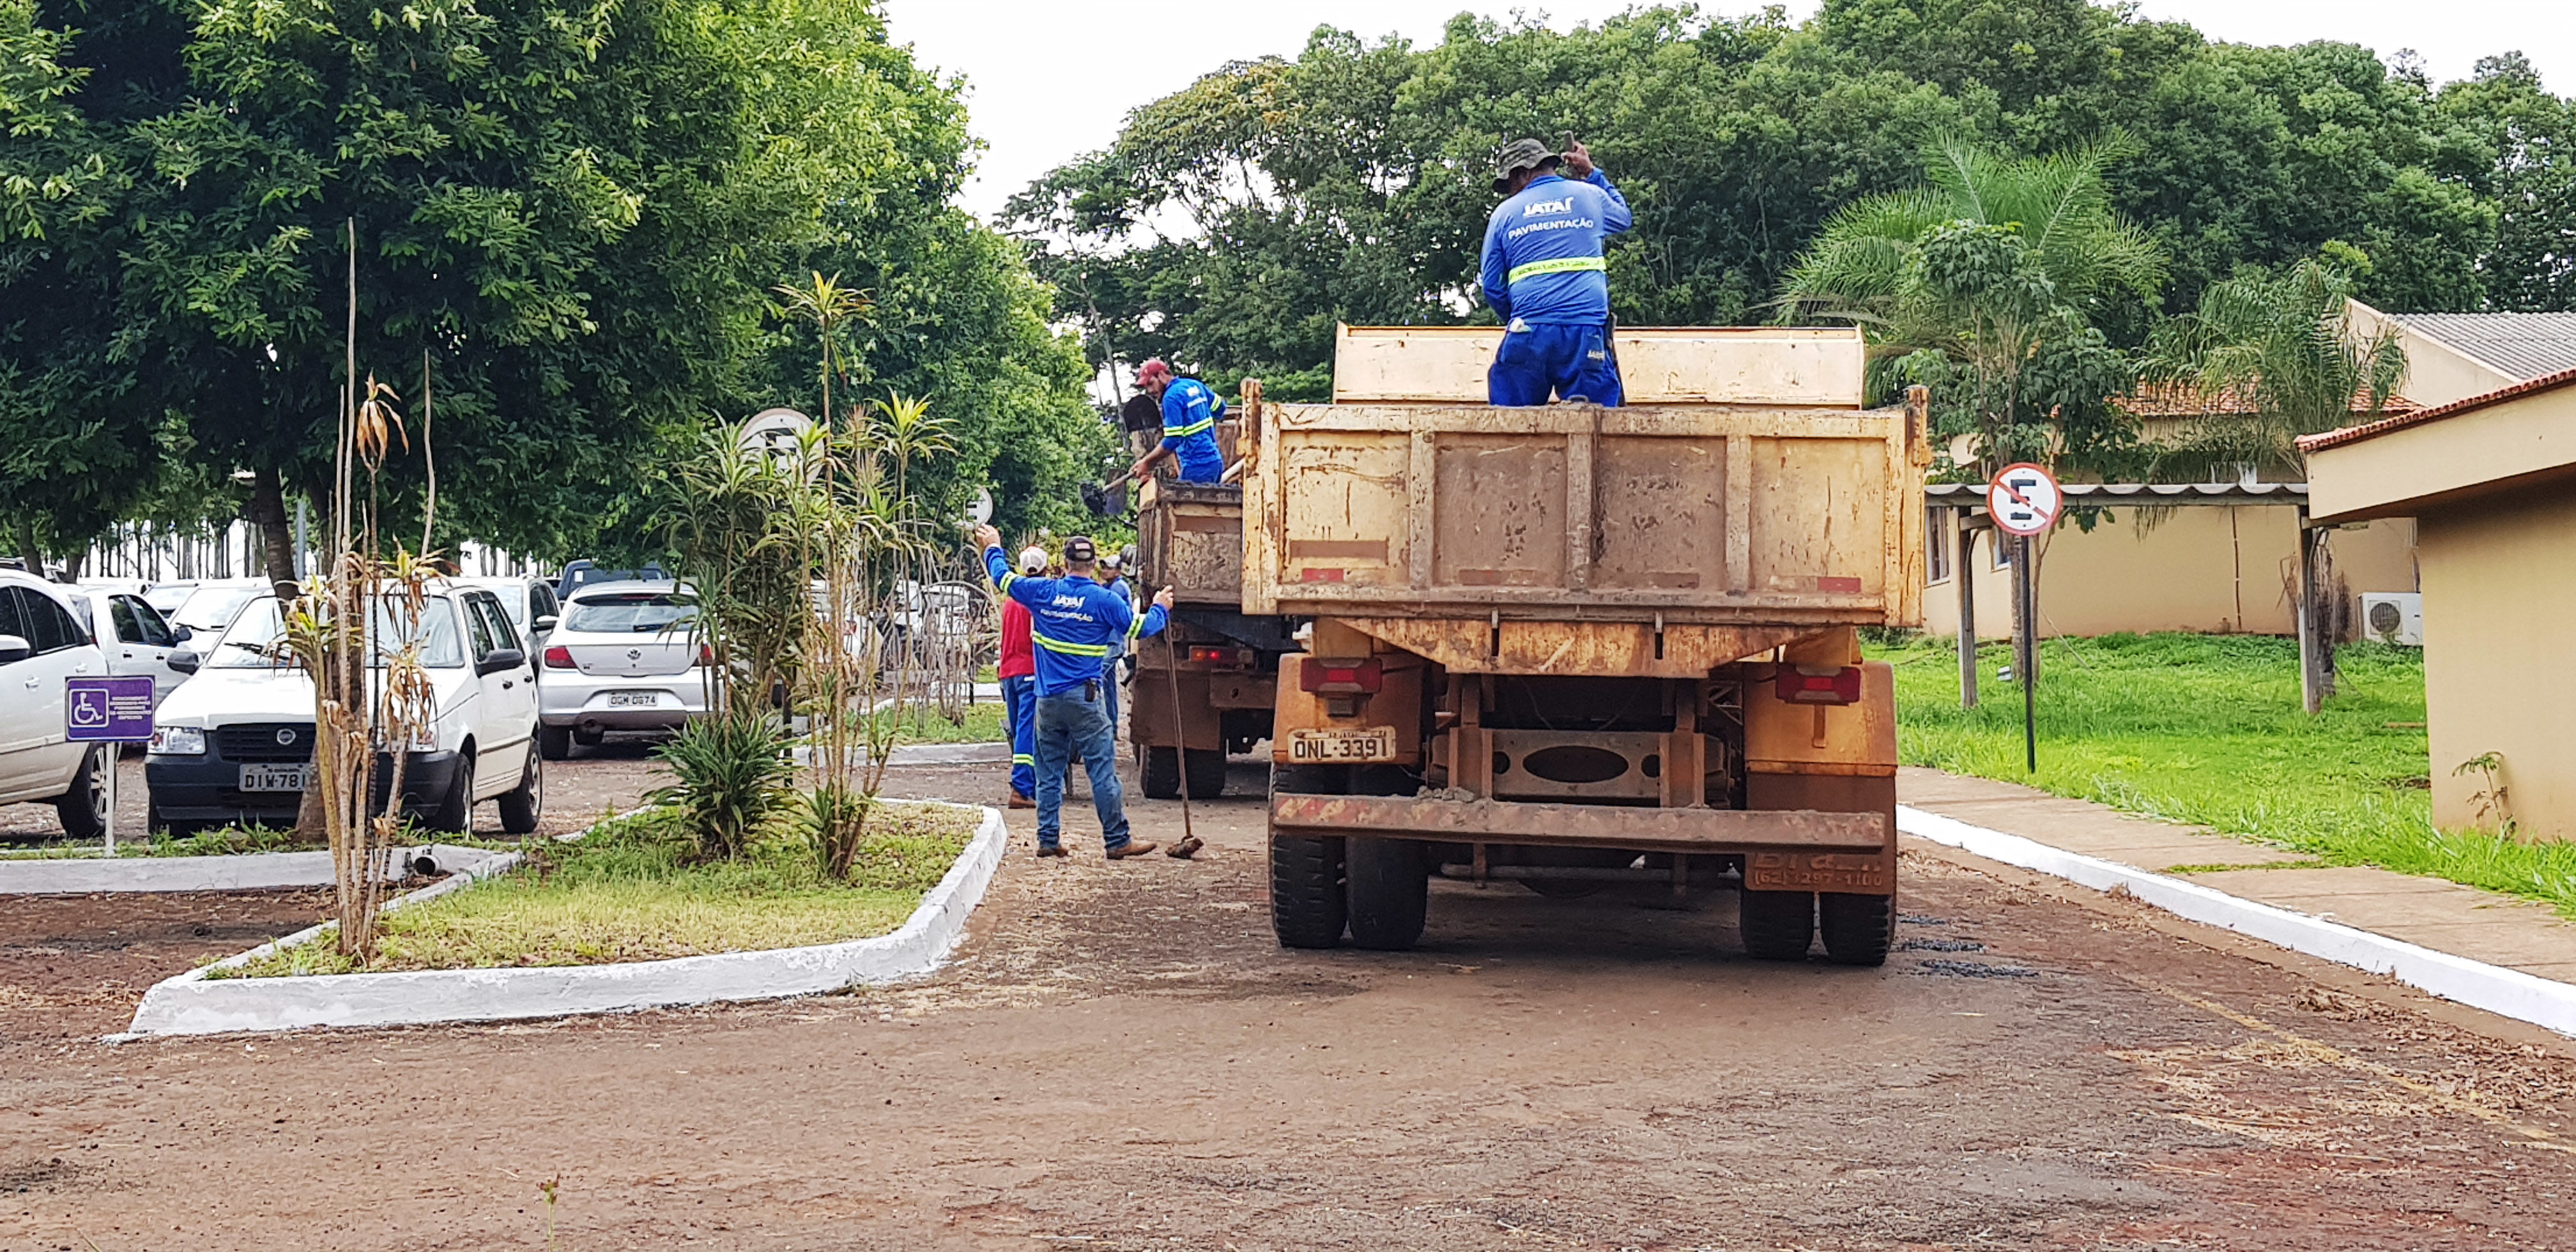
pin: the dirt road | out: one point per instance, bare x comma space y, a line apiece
1122, 1058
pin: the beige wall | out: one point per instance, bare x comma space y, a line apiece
2436, 372
2500, 654
2399, 472
2205, 569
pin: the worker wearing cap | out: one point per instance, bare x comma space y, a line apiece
1018, 672
1545, 275
1190, 415
1113, 575
1072, 621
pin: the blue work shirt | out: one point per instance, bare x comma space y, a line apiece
1543, 262
1072, 622
1190, 413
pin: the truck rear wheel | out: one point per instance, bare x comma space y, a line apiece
1162, 773
1856, 928
1777, 925
1307, 906
1390, 883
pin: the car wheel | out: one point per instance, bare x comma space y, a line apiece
83, 809
521, 805
554, 742
455, 812
589, 738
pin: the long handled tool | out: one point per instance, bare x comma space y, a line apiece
1189, 844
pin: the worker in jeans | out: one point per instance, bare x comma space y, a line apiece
1072, 621
1019, 674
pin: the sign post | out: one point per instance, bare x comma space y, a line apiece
2024, 500
110, 711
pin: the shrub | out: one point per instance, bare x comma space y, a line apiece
733, 773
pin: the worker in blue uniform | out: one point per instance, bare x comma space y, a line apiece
1190, 415
1544, 274
1072, 621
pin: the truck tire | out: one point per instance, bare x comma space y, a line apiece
1777, 925
1307, 908
1160, 774
1856, 928
1390, 882
1207, 773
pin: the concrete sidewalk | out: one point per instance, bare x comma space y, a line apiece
2429, 912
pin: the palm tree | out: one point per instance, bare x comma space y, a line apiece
2285, 348
1993, 262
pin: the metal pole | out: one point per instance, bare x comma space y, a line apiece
1189, 844
110, 825
2026, 659
1966, 576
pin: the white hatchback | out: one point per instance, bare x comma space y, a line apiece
625, 656
42, 646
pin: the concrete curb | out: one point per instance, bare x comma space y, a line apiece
190, 1004
244, 872
2494, 988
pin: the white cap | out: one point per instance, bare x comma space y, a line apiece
1113, 561
1032, 559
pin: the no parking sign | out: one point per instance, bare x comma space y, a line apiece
2024, 499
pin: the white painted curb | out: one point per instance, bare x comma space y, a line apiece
243, 872
191, 1004
2494, 988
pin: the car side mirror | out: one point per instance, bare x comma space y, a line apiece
546, 625
14, 649
502, 659
185, 662
181, 634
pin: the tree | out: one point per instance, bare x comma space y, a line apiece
2525, 158
2286, 345
1994, 266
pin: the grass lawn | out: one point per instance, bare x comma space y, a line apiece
2207, 730
983, 725
630, 891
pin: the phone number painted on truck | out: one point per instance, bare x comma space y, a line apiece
1374, 743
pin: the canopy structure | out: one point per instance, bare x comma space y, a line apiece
2316, 652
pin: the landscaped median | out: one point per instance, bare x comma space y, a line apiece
625, 916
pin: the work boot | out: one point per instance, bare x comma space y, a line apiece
1186, 848
1133, 847
1019, 801
1050, 849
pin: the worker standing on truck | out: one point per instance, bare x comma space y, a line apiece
1072, 620
1545, 275
1190, 415
1018, 672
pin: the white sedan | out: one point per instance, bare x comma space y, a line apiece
41, 647
137, 640
236, 743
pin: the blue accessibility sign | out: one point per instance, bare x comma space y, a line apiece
108, 710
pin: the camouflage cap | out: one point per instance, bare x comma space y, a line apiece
1518, 155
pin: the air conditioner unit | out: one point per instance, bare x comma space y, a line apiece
2393, 617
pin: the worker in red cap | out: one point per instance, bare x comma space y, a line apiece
1190, 415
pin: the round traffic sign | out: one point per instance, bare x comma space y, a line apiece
2024, 499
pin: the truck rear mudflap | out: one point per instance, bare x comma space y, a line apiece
1783, 849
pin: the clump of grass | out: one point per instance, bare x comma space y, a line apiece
637, 889
227, 841
919, 724
2207, 730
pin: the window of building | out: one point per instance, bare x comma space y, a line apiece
1936, 537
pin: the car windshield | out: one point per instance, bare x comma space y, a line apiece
210, 609
167, 597
256, 640
631, 613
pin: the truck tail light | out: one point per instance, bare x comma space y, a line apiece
558, 657
1201, 654
1799, 685
1341, 678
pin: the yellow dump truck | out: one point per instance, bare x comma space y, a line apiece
1576, 647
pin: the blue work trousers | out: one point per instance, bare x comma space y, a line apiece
1020, 708
1538, 361
1109, 691
1074, 726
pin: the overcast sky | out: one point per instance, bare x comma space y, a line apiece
1048, 81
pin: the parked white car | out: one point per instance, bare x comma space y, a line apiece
235, 743
213, 604
626, 656
166, 598
41, 646
530, 602
137, 640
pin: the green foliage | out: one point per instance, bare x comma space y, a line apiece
735, 525
2286, 344
2207, 730
732, 774
1233, 222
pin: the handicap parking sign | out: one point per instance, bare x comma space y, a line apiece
108, 710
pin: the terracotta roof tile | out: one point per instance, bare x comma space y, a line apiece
2178, 399
2370, 430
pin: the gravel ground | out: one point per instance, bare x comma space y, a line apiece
1122, 1058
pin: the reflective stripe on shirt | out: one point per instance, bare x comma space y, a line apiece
1205, 423
1071, 649
1560, 265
